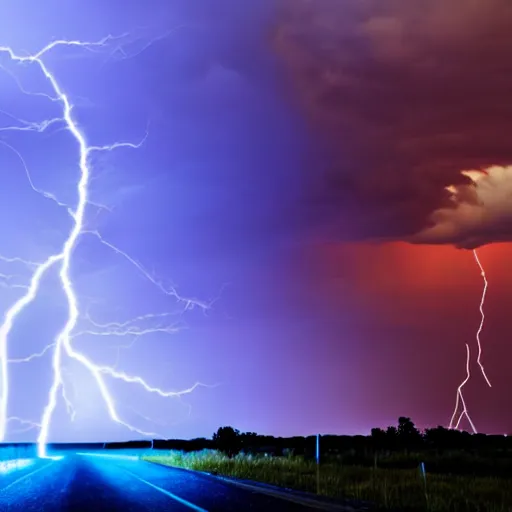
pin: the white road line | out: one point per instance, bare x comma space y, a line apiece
24, 477
170, 494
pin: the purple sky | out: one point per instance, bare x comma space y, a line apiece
281, 144
205, 204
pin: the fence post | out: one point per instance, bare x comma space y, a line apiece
318, 463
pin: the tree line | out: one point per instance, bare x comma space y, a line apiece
404, 437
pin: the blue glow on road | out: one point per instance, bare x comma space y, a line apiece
8, 466
122, 457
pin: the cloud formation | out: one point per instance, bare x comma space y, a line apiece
479, 213
401, 96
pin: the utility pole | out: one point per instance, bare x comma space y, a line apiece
318, 463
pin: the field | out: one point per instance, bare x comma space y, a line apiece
402, 489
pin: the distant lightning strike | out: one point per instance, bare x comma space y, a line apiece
482, 314
62, 345
455, 421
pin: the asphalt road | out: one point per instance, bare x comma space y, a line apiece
109, 483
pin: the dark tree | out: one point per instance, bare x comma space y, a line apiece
391, 437
249, 441
408, 435
438, 438
228, 440
379, 439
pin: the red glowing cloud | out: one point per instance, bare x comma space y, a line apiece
402, 96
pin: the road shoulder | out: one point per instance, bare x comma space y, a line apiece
291, 495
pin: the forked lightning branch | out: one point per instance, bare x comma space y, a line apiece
62, 261
461, 409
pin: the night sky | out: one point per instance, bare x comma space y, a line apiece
294, 176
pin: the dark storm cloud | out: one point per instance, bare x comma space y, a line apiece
401, 96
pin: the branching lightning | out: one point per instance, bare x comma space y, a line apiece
482, 314
455, 420
35, 355
189, 303
29, 425
130, 327
62, 346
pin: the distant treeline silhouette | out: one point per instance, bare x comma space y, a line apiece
402, 438
402, 446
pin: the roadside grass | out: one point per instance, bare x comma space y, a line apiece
403, 489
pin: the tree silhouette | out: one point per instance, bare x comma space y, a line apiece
408, 435
391, 437
379, 439
438, 438
228, 440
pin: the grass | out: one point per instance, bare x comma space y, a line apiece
389, 488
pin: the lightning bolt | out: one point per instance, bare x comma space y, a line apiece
130, 327
69, 406
482, 315
33, 356
62, 345
460, 397
29, 425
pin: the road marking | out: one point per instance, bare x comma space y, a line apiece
170, 494
24, 477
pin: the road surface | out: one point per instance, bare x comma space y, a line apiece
110, 483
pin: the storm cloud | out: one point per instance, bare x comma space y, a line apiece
480, 213
401, 96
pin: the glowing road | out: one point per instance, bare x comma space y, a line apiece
108, 483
